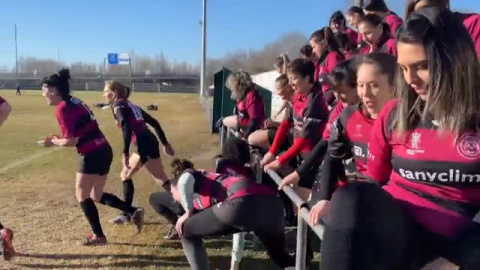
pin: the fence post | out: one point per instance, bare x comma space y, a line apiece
238, 250
301, 258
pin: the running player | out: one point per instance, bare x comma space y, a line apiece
80, 129
424, 149
133, 121
470, 20
379, 8
6, 235
250, 109
328, 55
219, 204
377, 36
351, 131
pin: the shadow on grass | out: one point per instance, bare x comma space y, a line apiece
209, 244
134, 261
216, 262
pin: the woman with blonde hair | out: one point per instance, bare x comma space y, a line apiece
133, 122
250, 109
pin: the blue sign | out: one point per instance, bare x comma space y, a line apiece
113, 58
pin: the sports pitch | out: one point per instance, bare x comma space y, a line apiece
37, 189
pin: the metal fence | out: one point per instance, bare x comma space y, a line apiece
303, 214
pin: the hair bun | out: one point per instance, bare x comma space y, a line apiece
64, 74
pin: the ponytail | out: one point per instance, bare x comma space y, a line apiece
375, 21
128, 91
60, 81
179, 166
326, 35
119, 89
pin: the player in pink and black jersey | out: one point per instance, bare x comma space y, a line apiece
250, 109
351, 130
6, 235
306, 118
133, 122
328, 56
424, 151
343, 81
377, 36
80, 130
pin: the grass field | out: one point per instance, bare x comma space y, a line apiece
37, 190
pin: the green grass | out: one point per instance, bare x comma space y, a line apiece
37, 195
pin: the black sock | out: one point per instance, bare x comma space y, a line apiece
113, 201
128, 191
91, 213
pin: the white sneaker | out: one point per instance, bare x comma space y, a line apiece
120, 220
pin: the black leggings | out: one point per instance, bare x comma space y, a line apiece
260, 214
367, 229
166, 206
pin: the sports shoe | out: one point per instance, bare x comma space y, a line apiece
94, 240
6, 247
120, 220
172, 234
137, 219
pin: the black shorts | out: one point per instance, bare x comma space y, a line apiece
147, 147
96, 162
310, 177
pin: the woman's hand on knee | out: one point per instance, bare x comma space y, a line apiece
181, 220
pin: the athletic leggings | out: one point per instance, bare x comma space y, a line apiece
368, 230
261, 214
166, 206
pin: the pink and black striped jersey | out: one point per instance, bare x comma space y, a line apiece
76, 120
434, 176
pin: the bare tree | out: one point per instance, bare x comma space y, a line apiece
257, 61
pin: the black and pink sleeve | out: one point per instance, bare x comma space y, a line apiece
379, 165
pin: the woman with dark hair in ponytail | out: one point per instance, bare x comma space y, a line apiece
338, 24
327, 51
377, 36
80, 129
224, 204
133, 122
379, 8
470, 20
423, 160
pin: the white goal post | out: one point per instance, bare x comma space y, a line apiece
146, 87
94, 86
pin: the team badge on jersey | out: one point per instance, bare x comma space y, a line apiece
414, 145
468, 146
